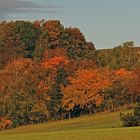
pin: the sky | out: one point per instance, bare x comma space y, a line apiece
107, 23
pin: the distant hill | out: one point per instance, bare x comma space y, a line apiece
135, 48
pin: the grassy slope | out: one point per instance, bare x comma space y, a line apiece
96, 127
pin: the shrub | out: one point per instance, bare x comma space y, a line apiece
131, 119
5, 123
137, 111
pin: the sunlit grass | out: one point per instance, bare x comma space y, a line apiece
103, 126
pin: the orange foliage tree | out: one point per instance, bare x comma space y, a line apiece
54, 62
85, 88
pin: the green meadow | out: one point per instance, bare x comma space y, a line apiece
102, 126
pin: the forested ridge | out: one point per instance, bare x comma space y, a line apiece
48, 71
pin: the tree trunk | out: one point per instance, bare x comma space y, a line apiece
69, 115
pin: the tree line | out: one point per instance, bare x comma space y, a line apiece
48, 71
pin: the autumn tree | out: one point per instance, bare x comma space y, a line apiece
69, 38
76, 36
10, 45
23, 98
117, 94
85, 89
54, 29
56, 65
78, 47
55, 62
134, 86
122, 56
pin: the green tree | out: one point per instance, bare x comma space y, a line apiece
28, 34
56, 94
41, 45
122, 56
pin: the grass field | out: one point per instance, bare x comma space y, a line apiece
103, 126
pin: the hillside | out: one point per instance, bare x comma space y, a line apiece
97, 127
51, 72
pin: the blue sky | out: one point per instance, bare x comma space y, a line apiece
106, 23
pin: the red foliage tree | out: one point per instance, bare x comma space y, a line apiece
134, 85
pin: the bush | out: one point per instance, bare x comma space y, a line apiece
5, 123
137, 111
131, 119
